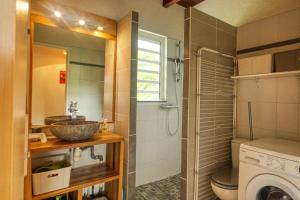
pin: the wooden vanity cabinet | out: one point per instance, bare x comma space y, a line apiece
110, 173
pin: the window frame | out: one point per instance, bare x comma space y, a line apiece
162, 40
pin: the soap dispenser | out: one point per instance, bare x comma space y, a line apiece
104, 127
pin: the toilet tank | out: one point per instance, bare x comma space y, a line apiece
235, 150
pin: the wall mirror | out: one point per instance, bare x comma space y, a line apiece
72, 60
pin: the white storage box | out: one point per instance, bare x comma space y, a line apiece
51, 180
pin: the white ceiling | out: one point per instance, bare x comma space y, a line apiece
240, 12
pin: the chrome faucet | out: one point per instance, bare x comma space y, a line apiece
73, 109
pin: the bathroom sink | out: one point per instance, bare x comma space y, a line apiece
62, 118
74, 130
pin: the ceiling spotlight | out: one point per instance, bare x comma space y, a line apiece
57, 14
81, 22
100, 28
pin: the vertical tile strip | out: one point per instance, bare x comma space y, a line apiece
126, 96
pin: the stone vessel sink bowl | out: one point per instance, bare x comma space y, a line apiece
62, 118
74, 130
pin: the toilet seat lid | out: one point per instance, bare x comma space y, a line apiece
227, 177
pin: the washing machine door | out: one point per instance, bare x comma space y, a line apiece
271, 187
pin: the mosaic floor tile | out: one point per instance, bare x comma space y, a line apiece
166, 189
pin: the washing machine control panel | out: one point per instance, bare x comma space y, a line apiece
275, 163
271, 162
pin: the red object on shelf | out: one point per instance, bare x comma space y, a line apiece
62, 77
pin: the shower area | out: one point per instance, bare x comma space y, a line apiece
159, 131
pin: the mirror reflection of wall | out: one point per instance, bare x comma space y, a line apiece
48, 90
84, 74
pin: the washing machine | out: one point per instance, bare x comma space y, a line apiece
269, 170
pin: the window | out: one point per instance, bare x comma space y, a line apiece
151, 67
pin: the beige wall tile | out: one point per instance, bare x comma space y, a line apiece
266, 31
288, 135
275, 107
242, 113
243, 131
264, 115
288, 90
240, 39
123, 102
123, 77
262, 133
289, 25
123, 57
287, 120
266, 90
247, 90
121, 124
248, 34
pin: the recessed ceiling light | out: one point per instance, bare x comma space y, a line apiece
57, 14
100, 28
81, 22
22, 5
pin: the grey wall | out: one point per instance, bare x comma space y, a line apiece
202, 30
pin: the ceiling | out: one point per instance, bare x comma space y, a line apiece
240, 12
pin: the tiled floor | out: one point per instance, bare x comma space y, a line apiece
166, 189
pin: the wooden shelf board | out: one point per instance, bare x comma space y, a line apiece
83, 177
268, 75
56, 143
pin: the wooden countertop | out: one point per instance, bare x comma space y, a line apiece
56, 143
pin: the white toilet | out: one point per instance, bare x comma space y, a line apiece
224, 183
